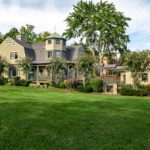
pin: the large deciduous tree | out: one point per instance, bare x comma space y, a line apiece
137, 63
100, 25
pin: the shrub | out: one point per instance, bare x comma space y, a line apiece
3, 80
20, 82
23, 82
75, 84
132, 92
13, 80
61, 85
97, 85
86, 89
67, 84
27, 82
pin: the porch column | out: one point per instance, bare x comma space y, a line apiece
37, 74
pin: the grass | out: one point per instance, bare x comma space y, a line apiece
42, 119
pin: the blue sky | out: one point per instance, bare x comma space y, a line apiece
46, 15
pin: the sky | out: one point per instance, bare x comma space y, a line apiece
49, 15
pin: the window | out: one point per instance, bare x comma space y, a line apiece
14, 55
145, 77
57, 41
49, 41
13, 72
50, 54
58, 54
64, 42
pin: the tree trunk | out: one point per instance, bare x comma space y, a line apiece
100, 62
136, 81
83, 81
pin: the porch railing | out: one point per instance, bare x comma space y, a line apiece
110, 79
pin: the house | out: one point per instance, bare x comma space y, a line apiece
55, 46
112, 73
40, 54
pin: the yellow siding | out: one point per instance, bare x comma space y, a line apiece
54, 46
8, 46
129, 79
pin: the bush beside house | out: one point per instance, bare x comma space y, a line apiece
129, 91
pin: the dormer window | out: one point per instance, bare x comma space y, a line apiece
49, 41
57, 41
13, 55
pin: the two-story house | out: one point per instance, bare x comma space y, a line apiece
40, 54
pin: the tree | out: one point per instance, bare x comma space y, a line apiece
27, 32
58, 67
12, 33
25, 64
85, 65
137, 63
1, 37
3, 64
42, 36
100, 25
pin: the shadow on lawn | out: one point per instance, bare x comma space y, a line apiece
73, 126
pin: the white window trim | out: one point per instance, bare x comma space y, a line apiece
13, 58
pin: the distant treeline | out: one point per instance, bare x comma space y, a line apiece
27, 32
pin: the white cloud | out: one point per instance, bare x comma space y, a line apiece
138, 11
46, 19
15, 16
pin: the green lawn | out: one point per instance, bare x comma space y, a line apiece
37, 119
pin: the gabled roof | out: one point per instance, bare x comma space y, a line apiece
23, 43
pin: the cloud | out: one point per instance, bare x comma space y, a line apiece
61, 5
45, 15
16, 16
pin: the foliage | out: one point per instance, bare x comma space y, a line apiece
86, 89
13, 80
3, 80
85, 65
3, 64
97, 85
27, 33
137, 63
100, 25
58, 67
145, 87
13, 33
67, 83
25, 64
61, 85
133, 92
1, 37
75, 84
23, 82
58, 85
42, 36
